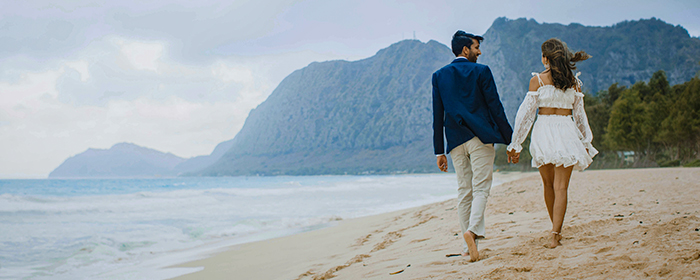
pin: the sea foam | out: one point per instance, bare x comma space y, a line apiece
131, 229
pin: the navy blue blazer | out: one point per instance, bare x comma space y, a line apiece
466, 104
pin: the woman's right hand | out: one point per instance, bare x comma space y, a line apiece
513, 157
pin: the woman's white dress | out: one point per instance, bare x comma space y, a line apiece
559, 140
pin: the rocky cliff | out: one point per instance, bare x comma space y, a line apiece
372, 115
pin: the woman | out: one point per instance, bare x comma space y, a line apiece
558, 143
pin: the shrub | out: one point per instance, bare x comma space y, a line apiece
695, 163
670, 163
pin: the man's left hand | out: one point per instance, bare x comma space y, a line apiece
513, 156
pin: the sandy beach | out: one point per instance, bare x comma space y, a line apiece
620, 224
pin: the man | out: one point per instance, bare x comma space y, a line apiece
468, 110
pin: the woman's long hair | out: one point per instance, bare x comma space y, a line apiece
562, 62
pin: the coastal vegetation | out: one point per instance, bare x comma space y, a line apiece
649, 124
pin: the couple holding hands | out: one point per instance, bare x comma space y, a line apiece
467, 111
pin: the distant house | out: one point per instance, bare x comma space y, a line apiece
628, 156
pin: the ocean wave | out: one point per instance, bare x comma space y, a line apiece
85, 236
148, 200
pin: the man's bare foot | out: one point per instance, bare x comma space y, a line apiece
470, 238
465, 249
556, 237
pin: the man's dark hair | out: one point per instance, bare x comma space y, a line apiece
463, 39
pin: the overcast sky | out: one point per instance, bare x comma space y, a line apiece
182, 76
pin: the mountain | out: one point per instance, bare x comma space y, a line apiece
121, 160
336, 117
624, 53
374, 115
200, 162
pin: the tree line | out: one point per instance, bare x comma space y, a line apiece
649, 124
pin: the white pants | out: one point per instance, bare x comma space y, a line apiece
473, 163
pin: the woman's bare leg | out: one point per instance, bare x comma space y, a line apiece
547, 173
562, 175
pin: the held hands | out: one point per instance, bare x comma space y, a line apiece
442, 163
513, 156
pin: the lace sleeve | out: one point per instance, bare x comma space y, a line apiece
581, 120
523, 121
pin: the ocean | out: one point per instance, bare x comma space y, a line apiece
135, 228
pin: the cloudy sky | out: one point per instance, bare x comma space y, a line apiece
181, 76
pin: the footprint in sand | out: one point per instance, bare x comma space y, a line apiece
419, 240
603, 250
362, 240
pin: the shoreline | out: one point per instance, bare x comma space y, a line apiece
622, 224
329, 228
156, 224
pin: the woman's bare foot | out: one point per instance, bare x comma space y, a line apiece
470, 238
556, 237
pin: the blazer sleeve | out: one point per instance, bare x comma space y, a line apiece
493, 101
438, 119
